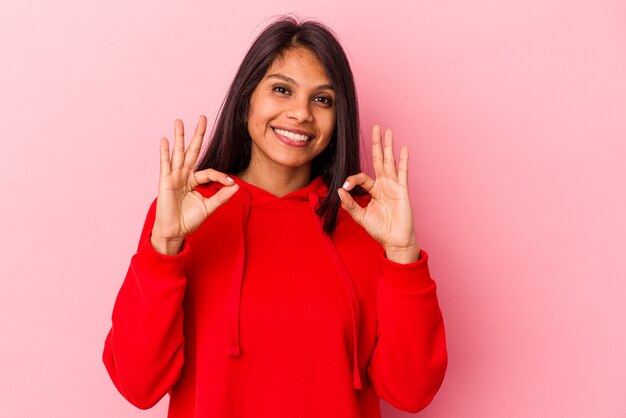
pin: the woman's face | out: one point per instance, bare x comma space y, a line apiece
292, 113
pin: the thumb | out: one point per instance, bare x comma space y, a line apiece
350, 206
222, 196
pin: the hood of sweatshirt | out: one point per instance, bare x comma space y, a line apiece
313, 193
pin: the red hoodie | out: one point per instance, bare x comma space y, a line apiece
264, 315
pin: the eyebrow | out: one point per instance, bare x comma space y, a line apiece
292, 81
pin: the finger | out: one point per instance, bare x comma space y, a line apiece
164, 148
350, 206
403, 166
222, 196
377, 152
205, 176
178, 155
360, 179
191, 156
389, 161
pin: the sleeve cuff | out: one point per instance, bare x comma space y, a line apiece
156, 264
411, 277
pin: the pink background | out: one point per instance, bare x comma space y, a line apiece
515, 113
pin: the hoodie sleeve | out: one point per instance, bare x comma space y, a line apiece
143, 351
410, 358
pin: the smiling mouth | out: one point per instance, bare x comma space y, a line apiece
292, 135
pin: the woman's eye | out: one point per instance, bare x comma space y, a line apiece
324, 100
281, 89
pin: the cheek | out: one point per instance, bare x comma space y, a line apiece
329, 131
255, 119
326, 121
332, 120
260, 113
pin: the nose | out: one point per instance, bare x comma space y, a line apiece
299, 110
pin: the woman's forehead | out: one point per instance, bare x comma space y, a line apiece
299, 66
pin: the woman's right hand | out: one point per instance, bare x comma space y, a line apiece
181, 209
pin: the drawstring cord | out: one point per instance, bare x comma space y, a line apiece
236, 282
348, 286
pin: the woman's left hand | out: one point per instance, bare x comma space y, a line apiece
388, 217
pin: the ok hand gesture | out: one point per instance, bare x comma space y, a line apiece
388, 217
181, 209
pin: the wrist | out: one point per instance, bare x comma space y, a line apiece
166, 246
403, 255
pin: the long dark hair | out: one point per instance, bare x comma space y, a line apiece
229, 149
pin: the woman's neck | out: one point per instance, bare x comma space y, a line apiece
279, 182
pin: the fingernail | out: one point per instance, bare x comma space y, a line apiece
339, 193
346, 185
229, 179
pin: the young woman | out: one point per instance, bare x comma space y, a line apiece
273, 278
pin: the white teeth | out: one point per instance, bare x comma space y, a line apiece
292, 136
